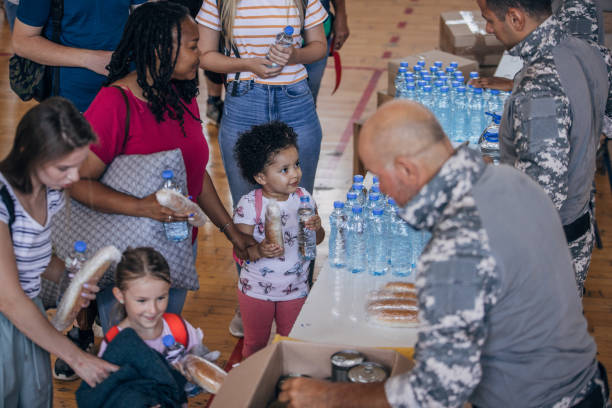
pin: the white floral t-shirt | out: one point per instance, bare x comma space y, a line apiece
274, 279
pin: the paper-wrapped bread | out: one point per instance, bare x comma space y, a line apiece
92, 270
400, 287
203, 373
394, 317
274, 226
181, 204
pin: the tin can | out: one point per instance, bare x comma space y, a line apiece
284, 378
342, 361
368, 372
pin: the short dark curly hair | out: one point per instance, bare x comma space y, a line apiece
256, 148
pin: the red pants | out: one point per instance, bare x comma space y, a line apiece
257, 317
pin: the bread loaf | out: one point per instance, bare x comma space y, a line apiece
181, 204
388, 294
400, 304
274, 226
395, 317
203, 373
92, 270
400, 287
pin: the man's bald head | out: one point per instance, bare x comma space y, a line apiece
400, 128
405, 146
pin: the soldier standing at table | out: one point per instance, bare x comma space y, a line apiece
553, 120
500, 324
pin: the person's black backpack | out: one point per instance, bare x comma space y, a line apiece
29, 79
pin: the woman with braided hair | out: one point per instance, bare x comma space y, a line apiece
154, 72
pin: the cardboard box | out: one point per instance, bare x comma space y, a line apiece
465, 65
253, 382
463, 33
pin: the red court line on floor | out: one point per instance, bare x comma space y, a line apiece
401, 24
386, 54
347, 135
5, 54
408, 10
394, 39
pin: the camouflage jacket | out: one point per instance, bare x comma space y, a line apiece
580, 18
449, 346
484, 295
537, 147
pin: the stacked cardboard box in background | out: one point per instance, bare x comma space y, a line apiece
463, 33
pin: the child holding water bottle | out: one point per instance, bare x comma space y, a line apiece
274, 286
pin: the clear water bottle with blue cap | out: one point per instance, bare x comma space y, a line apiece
460, 116
173, 350
409, 92
357, 257
399, 79
436, 89
285, 40
421, 63
401, 249
454, 64
337, 233
178, 230
489, 140
427, 99
438, 64
450, 71
361, 192
417, 69
495, 105
351, 201
476, 109
419, 90
427, 78
433, 69
307, 238
443, 110
389, 217
453, 89
377, 251
74, 262
374, 202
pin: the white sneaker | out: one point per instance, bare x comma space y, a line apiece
235, 327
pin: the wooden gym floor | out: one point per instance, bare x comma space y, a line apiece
380, 30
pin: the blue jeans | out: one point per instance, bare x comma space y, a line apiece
11, 12
256, 104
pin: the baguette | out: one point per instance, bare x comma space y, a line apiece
203, 373
395, 317
396, 304
387, 294
274, 226
400, 287
92, 270
181, 204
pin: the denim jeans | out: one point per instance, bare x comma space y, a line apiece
256, 104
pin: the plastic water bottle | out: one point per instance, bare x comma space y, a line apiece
373, 203
358, 178
443, 110
389, 216
77, 257
476, 114
360, 191
495, 104
450, 71
419, 90
438, 65
418, 70
399, 79
433, 69
307, 238
351, 201
454, 64
375, 183
377, 253
357, 257
459, 108
178, 230
489, 140
284, 39
401, 249
474, 75
421, 63
427, 98
409, 92
174, 351
337, 232
436, 89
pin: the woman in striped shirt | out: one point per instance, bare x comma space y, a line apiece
51, 142
259, 92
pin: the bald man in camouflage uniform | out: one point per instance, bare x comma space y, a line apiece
553, 120
501, 325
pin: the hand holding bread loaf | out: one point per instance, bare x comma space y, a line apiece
91, 271
202, 372
273, 225
181, 204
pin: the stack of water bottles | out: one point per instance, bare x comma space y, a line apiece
370, 245
461, 109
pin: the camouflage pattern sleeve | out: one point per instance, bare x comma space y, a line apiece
541, 123
453, 303
580, 18
607, 122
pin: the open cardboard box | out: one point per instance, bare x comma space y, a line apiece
253, 382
